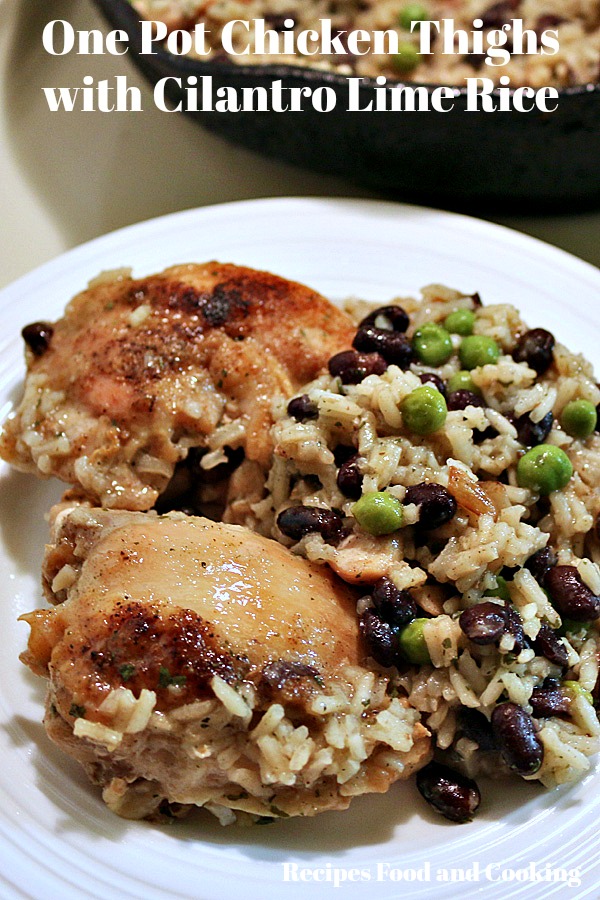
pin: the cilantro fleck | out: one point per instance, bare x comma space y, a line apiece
78, 712
127, 671
165, 679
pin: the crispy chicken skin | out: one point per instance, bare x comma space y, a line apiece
138, 371
198, 664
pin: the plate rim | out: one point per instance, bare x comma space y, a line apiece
499, 233
467, 222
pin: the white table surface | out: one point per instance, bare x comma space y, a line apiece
69, 177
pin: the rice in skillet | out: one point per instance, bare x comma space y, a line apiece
576, 23
455, 477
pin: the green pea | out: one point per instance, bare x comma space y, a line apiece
412, 642
544, 469
407, 58
501, 591
412, 12
579, 418
424, 410
378, 513
575, 689
478, 350
462, 381
432, 344
461, 321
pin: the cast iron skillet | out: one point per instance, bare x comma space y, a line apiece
517, 162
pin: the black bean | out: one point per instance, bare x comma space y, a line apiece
529, 433
435, 380
473, 725
37, 336
302, 408
514, 626
515, 734
380, 637
548, 643
393, 606
484, 623
392, 345
540, 563
463, 398
352, 367
535, 348
436, 504
297, 521
549, 701
453, 795
350, 478
572, 598
392, 318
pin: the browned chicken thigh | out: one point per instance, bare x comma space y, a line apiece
198, 664
139, 371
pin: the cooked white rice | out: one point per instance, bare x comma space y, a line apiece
460, 562
242, 760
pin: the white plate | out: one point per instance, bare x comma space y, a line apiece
56, 837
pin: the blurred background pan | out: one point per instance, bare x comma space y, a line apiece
479, 161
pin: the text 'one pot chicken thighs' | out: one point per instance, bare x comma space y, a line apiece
196, 664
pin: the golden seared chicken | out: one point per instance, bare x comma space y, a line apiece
139, 371
198, 664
